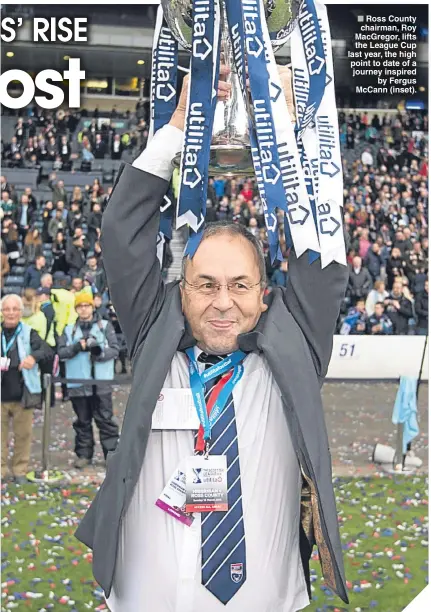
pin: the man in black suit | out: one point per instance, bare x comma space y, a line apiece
99, 148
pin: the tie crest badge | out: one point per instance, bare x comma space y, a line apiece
236, 572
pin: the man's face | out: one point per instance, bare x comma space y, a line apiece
11, 312
46, 281
357, 262
378, 310
24, 200
61, 184
217, 318
5, 196
77, 284
397, 289
92, 263
360, 306
85, 311
40, 263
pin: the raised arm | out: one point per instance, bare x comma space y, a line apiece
130, 227
314, 297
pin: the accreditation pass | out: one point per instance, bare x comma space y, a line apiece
206, 483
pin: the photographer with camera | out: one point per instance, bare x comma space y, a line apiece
89, 348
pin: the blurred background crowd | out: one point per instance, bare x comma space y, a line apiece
58, 172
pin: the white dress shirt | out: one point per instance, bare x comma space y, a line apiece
158, 567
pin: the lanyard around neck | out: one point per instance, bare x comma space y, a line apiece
7, 346
197, 384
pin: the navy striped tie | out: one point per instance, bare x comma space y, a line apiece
223, 538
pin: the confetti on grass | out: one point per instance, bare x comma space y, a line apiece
384, 533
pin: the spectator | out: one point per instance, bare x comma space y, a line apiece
116, 147
373, 261
20, 386
34, 273
33, 246
421, 310
56, 224
356, 320
75, 218
77, 284
89, 349
7, 205
367, 158
43, 297
46, 218
99, 149
23, 217
87, 157
360, 281
395, 266
60, 206
59, 253
75, 256
13, 149
31, 314
399, 309
62, 299
65, 150
379, 323
94, 225
378, 294
32, 201
96, 273
10, 239
58, 189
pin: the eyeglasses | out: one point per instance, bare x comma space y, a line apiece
211, 288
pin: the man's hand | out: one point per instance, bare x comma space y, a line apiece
223, 93
83, 344
28, 363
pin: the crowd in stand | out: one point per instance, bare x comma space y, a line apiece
385, 163
54, 138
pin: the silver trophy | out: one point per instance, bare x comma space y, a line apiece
230, 151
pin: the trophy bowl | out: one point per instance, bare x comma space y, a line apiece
230, 151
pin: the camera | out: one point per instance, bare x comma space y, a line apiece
93, 346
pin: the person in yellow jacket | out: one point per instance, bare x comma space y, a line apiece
32, 315
63, 302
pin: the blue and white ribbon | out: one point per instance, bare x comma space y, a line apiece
236, 30
199, 117
317, 127
279, 157
162, 105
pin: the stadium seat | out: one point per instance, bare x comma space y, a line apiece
11, 289
14, 280
17, 270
